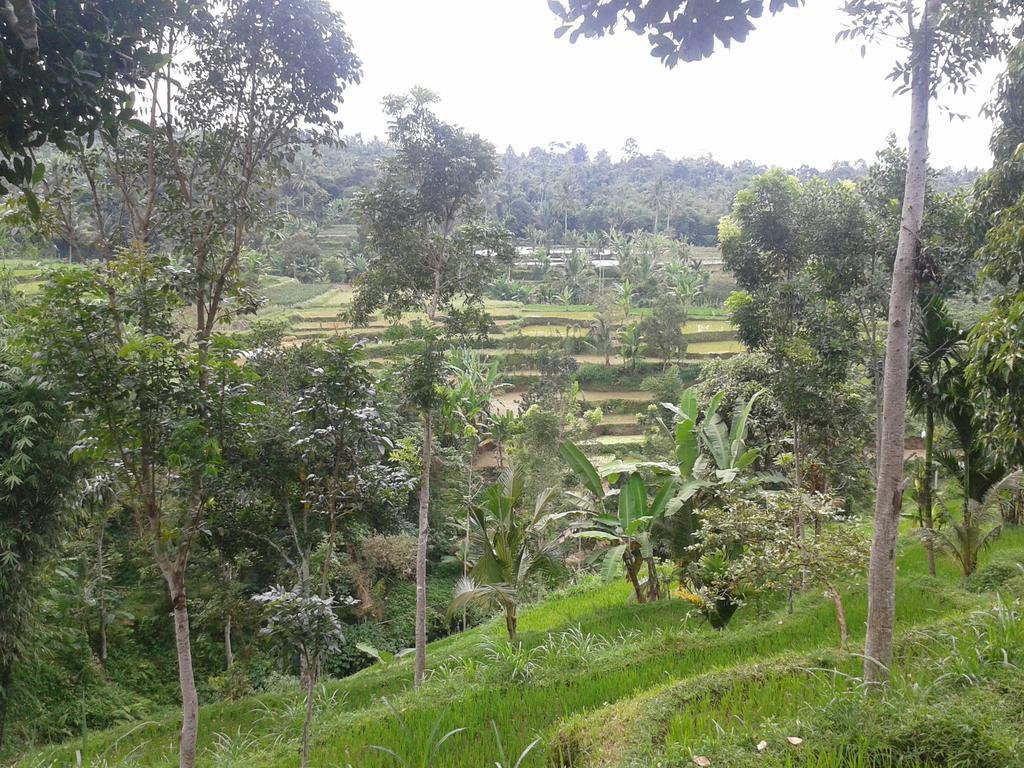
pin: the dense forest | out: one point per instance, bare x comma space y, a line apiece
317, 450
559, 194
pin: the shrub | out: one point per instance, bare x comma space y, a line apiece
992, 576
666, 387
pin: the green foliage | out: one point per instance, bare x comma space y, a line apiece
36, 476
510, 549
996, 343
661, 330
666, 387
69, 71
993, 576
682, 30
425, 248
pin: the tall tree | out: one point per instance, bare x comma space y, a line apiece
967, 33
35, 476
68, 69
798, 251
242, 86
996, 340
430, 253
945, 42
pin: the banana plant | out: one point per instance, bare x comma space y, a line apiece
725, 444
628, 531
709, 455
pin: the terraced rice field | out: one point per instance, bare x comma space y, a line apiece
317, 310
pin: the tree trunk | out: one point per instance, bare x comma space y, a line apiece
926, 483
889, 493
469, 522
632, 566
307, 723
175, 578
421, 550
879, 387
653, 584
799, 481
840, 615
101, 603
103, 638
229, 654
6, 674
511, 623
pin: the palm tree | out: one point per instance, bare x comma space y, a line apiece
973, 466
602, 337
937, 347
978, 526
355, 266
631, 345
577, 274
510, 549
643, 267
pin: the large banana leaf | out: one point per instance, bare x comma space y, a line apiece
612, 562
740, 418
632, 503
661, 499
584, 470
747, 458
716, 437
687, 449
686, 491
688, 405
713, 406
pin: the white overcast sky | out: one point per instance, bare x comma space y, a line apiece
790, 95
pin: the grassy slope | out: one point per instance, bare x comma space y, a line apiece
645, 650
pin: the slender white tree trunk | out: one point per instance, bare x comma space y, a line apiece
421, 550
888, 498
175, 579
307, 723
229, 654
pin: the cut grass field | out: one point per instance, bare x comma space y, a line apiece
599, 680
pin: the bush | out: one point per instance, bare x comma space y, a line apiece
666, 387
992, 576
335, 270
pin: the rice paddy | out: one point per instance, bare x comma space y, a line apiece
519, 332
595, 679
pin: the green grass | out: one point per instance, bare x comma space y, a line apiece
702, 348
639, 649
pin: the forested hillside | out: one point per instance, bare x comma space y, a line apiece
565, 192
412, 452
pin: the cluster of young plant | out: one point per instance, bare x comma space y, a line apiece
725, 530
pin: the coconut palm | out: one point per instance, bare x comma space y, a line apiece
577, 275
602, 337
511, 549
631, 345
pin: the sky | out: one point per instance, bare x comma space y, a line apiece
790, 95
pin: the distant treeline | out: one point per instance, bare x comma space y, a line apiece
565, 192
